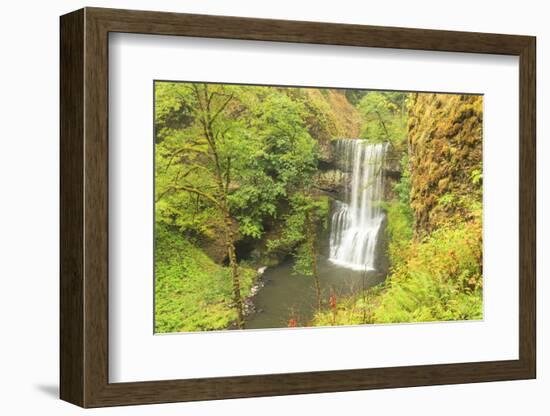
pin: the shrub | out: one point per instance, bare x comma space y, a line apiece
192, 293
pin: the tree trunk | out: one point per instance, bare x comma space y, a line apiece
237, 301
317, 285
313, 254
204, 100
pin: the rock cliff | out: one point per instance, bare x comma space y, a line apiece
445, 155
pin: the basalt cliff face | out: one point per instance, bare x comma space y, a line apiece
330, 115
445, 155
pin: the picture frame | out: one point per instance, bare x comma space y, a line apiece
84, 216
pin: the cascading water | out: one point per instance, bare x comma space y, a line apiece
356, 221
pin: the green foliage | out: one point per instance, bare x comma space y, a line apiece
403, 187
351, 310
439, 279
300, 230
399, 230
436, 253
192, 293
355, 96
173, 108
228, 157
285, 158
476, 176
263, 151
400, 225
385, 117
231, 157
446, 199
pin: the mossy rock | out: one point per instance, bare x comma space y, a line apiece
445, 150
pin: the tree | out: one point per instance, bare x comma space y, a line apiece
236, 156
385, 116
300, 235
286, 156
202, 159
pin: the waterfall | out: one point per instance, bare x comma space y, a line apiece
356, 221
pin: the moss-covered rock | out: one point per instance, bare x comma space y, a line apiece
445, 154
330, 115
332, 181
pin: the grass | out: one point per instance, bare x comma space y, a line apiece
192, 293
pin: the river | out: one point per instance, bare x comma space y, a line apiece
286, 295
350, 253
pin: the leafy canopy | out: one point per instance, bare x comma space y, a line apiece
263, 151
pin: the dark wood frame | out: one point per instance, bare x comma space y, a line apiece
84, 207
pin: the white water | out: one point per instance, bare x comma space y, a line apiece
356, 221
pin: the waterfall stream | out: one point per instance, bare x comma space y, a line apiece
356, 220
356, 227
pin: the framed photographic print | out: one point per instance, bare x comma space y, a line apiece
260, 207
